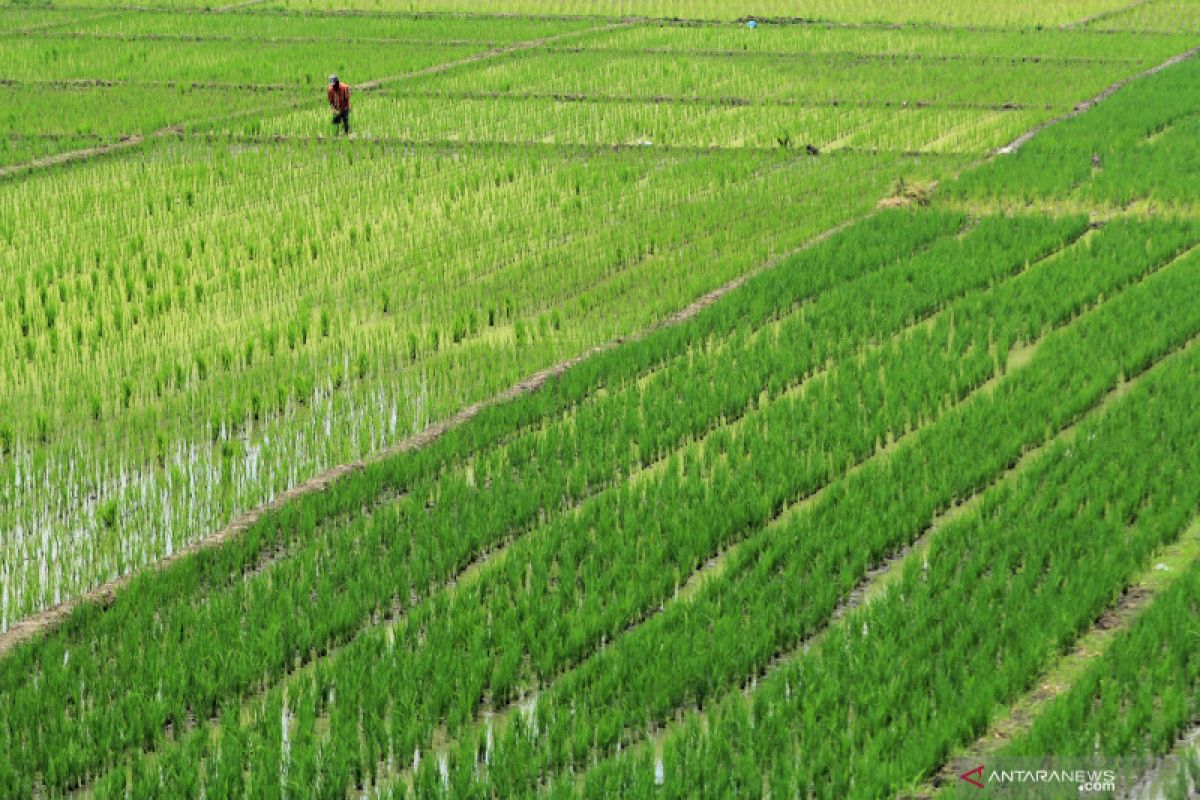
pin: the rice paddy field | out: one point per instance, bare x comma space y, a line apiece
646, 398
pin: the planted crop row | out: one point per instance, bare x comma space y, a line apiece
18, 151
15, 18
885, 696
781, 587
282, 372
838, 77
1049, 46
423, 686
665, 124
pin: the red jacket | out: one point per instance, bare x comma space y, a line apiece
339, 97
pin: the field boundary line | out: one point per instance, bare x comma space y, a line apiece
835, 57
583, 147
195, 38
1112, 12
238, 6
1087, 105
719, 100
17, 170
108, 83
1059, 676
1146, 210
561, 97
494, 52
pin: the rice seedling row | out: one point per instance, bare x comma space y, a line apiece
516, 576
224, 62
1170, 564
260, 24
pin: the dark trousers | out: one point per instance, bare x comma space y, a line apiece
342, 118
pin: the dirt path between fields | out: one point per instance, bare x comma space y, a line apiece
663, 21
495, 52
843, 57
1112, 12
1087, 105
73, 155
237, 6
716, 101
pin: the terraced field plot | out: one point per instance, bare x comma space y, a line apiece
636, 404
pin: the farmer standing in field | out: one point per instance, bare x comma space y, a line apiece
339, 100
